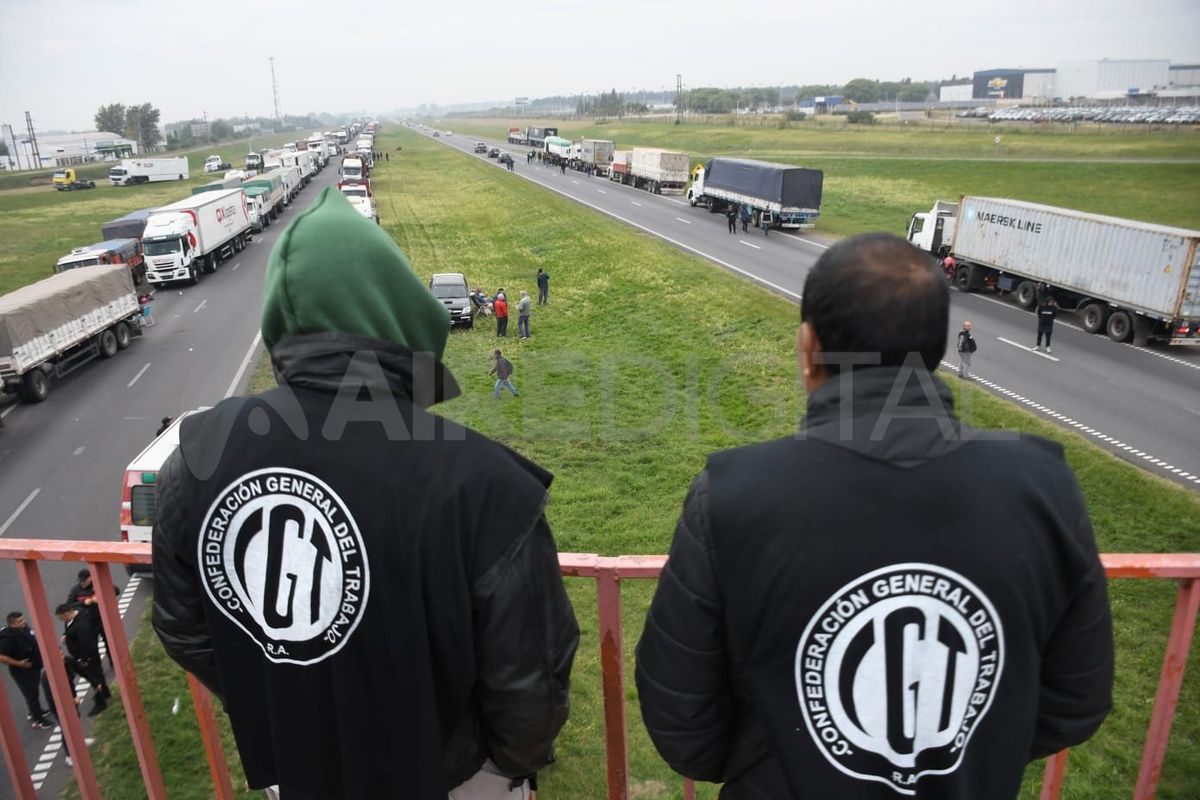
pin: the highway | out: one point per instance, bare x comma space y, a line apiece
1143, 404
62, 461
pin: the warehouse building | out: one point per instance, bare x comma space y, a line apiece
63, 150
1110, 78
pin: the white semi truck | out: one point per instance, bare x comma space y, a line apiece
51, 328
1130, 280
148, 170
190, 237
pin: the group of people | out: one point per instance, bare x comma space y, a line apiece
743, 213
831, 622
502, 368
1047, 311
81, 637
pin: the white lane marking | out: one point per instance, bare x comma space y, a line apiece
684, 221
13, 517
203, 303
245, 365
54, 744
601, 191
79, 450
7, 411
235, 266
1078, 426
636, 203
743, 241
141, 372
1026, 349
574, 181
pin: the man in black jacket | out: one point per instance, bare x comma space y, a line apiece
372, 590
840, 615
19, 652
80, 635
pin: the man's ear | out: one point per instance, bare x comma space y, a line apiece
808, 346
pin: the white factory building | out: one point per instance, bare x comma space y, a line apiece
1096, 79
60, 150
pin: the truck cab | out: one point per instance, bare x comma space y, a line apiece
169, 244
933, 230
65, 180
353, 169
359, 195
254, 162
214, 164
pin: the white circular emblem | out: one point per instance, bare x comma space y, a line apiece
281, 556
896, 670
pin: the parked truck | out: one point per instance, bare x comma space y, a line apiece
558, 147
66, 180
129, 226
1130, 280
536, 137
110, 251
659, 171
190, 237
619, 169
777, 195
148, 170
596, 153
265, 197
217, 185
517, 136
51, 328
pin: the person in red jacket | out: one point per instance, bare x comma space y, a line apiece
501, 306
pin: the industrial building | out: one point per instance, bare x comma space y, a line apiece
65, 149
1097, 79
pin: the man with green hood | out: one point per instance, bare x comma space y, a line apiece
372, 590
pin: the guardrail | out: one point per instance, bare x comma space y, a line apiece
608, 572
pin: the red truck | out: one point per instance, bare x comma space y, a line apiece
517, 136
621, 168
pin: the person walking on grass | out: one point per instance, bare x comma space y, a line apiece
524, 306
543, 282
500, 305
503, 370
1047, 310
966, 349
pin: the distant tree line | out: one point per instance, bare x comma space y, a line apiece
608, 104
712, 100
138, 122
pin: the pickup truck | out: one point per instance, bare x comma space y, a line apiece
65, 180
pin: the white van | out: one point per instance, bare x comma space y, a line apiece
141, 480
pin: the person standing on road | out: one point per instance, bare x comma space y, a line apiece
83, 656
400, 627
503, 370
543, 282
731, 217
1047, 310
744, 213
764, 222
842, 615
19, 651
562, 167
524, 306
966, 349
501, 307
83, 596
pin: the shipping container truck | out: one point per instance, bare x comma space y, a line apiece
129, 226
148, 170
777, 195
619, 169
1130, 280
217, 186
558, 147
269, 198
191, 236
354, 169
517, 136
536, 137
51, 328
659, 171
597, 153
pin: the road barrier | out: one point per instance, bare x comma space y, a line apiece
608, 572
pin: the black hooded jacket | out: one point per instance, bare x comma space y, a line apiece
890, 604
372, 590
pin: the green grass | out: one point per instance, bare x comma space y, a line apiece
623, 395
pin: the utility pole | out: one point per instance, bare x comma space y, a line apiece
680, 101
33, 145
275, 90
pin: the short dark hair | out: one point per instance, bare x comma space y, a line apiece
83, 573
13, 616
64, 608
876, 293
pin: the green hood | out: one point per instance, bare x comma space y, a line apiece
333, 270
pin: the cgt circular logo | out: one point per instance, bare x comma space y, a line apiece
896, 671
281, 556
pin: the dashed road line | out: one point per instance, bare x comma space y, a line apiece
743, 241
1175, 472
13, 517
636, 203
684, 221
203, 303
79, 450
141, 372
235, 266
601, 191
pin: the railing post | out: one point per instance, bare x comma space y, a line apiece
612, 670
60, 685
211, 735
1052, 778
10, 743
131, 695
1183, 623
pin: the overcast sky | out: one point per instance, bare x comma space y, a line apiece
62, 59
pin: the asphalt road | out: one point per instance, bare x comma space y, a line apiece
1142, 404
62, 461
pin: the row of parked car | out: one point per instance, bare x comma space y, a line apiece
1160, 115
501, 156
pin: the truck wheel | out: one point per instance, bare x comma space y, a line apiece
108, 344
193, 274
1120, 326
1026, 295
691, 200
35, 386
1094, 317
121, 331
962, 278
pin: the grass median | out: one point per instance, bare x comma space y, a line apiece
646, 360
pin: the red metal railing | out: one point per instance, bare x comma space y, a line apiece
608, 573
